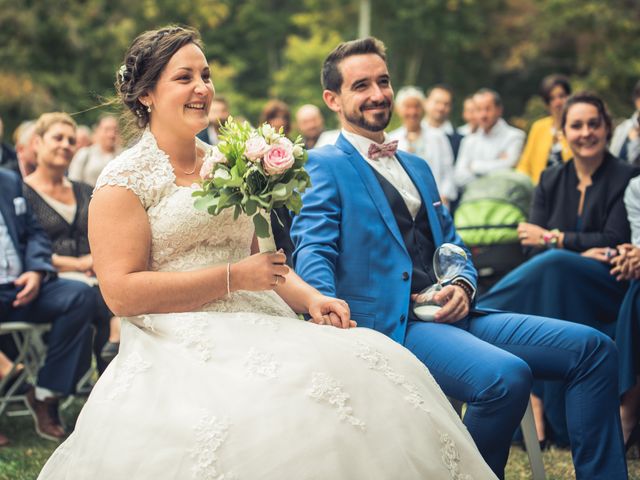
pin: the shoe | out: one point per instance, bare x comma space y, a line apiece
109, 351
4, 441
46, 416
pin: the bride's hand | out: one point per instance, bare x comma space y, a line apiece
262, 271
331, 311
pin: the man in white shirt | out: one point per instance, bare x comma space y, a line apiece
437, 112
469, 117
427, 143
625, 143
494, 146
88, 162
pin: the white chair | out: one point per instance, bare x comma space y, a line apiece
530, 437
31, 353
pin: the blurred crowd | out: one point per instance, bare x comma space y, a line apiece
552, 217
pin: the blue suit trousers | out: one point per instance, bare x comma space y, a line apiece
489, 361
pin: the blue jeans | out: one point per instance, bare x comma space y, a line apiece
489, 361
68, 305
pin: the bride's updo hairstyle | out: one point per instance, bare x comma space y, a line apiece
144, 62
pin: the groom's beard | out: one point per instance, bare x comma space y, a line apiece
380, 119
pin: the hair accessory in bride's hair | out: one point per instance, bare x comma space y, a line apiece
121, 72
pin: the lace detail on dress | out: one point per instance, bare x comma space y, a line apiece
211, 433
451, 458
323, 387
261, 364
144, 169
128, 369
147, 322
376, 361
190, 333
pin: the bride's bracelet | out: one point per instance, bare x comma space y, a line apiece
228, 279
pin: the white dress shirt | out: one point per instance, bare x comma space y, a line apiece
432, 146
10, 264
481, 153
391, 169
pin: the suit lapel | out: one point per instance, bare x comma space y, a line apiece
372, 185
434, 221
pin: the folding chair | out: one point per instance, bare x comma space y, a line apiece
530, 437
31, 353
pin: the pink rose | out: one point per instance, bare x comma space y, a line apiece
255, 148
279, 158
213, 157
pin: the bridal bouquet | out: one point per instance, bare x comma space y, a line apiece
253, 172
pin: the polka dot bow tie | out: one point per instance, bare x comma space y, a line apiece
385, 150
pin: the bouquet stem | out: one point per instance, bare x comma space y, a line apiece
267, 244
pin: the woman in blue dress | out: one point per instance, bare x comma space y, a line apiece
577, 220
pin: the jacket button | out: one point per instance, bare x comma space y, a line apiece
402, 317
405, 275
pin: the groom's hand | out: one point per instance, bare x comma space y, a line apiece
331, 311
454, 302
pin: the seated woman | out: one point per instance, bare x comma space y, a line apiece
546, 145
577, 219
626, 266
61, 206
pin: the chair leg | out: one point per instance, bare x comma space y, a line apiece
528, 426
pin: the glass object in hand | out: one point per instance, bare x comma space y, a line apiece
449, 261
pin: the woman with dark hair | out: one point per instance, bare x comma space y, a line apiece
546, 145
577, 219
216, 376
62, 207
277, 114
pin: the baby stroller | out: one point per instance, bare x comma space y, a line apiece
487, 219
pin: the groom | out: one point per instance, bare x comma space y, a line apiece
367, 233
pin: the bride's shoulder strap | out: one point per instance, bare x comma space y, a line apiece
141, 169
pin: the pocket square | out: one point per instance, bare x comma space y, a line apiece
20, 205
437, 204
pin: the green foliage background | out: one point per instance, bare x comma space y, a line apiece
62, 54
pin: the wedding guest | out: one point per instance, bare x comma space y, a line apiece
430, 144
625, 143
25, 149
577, 218
368, 230
494, 146
8, 157
277, 114
626, 267
84, 137
30, 292
61, 207
437, 112
310, 124
469, 116
546, 145
89, 162
218, 114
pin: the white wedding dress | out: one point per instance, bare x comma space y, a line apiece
245, 390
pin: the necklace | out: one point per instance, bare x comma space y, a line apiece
195, 164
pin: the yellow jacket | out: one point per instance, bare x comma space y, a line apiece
536, 152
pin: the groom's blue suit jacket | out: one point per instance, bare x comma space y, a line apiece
348, 243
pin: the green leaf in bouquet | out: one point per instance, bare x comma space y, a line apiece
256, 181
250, 206
241, 165
206, 202
261, 225
294, 203
280, 191
261, 201
237, 211
198, 193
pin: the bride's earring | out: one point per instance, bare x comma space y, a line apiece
149, 108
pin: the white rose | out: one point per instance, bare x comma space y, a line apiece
222, 173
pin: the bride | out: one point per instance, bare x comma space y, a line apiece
216, 377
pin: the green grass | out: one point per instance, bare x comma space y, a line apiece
23, 459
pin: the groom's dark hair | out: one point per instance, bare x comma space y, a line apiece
331, 76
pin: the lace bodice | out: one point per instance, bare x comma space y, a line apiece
183, 238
